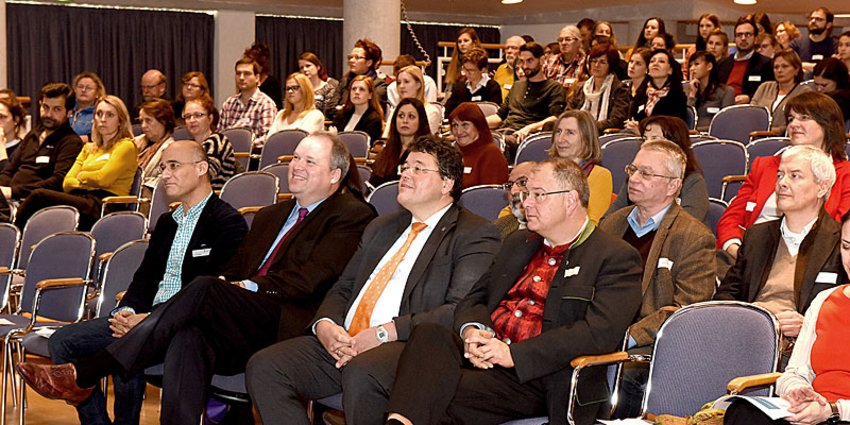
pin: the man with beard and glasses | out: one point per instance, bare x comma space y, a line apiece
531, 103
820, 44
745, 70
512, 217
46, 153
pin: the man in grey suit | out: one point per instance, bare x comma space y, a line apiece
412, 266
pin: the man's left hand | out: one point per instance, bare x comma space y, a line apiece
496, 352
790, 323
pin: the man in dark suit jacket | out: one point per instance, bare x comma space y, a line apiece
217, 230
442, 263
289, 259
745, 79
783, 264
564, 291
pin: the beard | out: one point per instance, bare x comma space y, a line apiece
517, 210
531, 73
50, 123
813, 30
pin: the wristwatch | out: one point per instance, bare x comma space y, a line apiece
835, 417
382, 335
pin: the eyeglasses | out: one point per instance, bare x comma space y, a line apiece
539, 195
631, 170
195, 116
292, 89
172, 166
355, 57
86, 88
567, 39
192, 86
743, 34
520, 182
415, 169
150, 87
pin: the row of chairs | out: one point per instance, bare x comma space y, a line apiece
485, 200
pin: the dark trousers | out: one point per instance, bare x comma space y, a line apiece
282, 376
88, 203
79, 340
209, 327
435, 383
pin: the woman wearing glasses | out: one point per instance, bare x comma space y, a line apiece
299, 108
88, 88
157, 119
813, 119
483, 161
194, 85
603, 95
575, 137
408, 122
201, 118
104, 167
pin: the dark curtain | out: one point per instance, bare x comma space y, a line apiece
54, 43
289, 37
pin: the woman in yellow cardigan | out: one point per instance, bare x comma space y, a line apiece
105, 167
575, 137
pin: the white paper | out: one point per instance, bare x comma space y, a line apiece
773, 407
827, 277
629, 421
45, 332
5, 322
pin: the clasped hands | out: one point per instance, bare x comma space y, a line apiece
484, 350
807, 406
123, 321
344, 347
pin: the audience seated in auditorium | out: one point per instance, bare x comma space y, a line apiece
693, 197
299, 109
249, 108
361, 111
706, 23
532, 103
661, 92
567, 68
831, 78
663, 41
767, 46
269, 84
483, 161
651, 28
819, 44
718, 45
364, 59
88, 88
477, 86
412, 267
466, 40
746, 70
783, 264
556, 291
585, 28
401, 62
324, 86
201, 118
104, 167
193, 85
813, 119
602, 94
48, 151
844, 48
506, 73
157, 121
774, 95
814, 382
676, 252
604, 29
705, 91
512, 217
638, 63
12, 128
154, 85
198, 238
575, 137
411, 84
269, 291
785, 33
407, 123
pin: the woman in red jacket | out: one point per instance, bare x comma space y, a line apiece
813, 119
483, 161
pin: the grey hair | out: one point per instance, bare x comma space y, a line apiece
572, 30
821, 163
676, 159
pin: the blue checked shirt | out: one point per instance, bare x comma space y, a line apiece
171, 281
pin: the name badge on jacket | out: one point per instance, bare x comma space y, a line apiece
467, 170
756, 78
204, 252
712, 109
42, 159
571, 272
817, 57
751, 206
827, 277
665, 263
476, 98
104, 157
641, 108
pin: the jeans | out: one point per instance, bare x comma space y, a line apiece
84, 339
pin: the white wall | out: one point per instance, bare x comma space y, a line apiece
234, 31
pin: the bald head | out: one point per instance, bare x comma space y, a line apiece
512, 45
153, 84
185, 172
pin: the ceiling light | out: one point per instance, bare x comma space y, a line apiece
511, 1
747, 2
842, 15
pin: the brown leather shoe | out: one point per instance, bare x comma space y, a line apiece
55, 381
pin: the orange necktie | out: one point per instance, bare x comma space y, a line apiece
363, 314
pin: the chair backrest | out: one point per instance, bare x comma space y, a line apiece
485, 200
45, 222
9, 238
159, 206
250, 189
137, 130
701, 347
118, 273
281, 170
616, 154
605, 138
736, 122
696, 138
720, 158
383, 198
181, 133
691, 114
62, 255
357, 143
116, 229
716, 207
281, 143
767, 147
534, 148
242, 141
365, 175
488, 108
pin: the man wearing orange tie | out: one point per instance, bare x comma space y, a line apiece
412, 267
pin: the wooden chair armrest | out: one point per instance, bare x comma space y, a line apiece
734, 179
670, 308
123, 200
285, 159
611, 130
741, 383
249, 210
173, 206
283, 196
120, 296
60, 283
6, 270
104, 257
768, 133
693, 133
587, 361
242, 154
360, 161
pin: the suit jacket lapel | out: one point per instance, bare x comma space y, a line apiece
814, 253
268, 237
443, 227
657, 243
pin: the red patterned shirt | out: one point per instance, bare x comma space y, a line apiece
519, 316
565, 73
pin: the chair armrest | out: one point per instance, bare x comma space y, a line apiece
6, 270
734, 179
120, 296
611, 130
242, 154
173, 206
588, 361
249, 210
360, 161
285, 158
123, 200
104, 257
769, 133
742, 383
59, 283
283, 196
